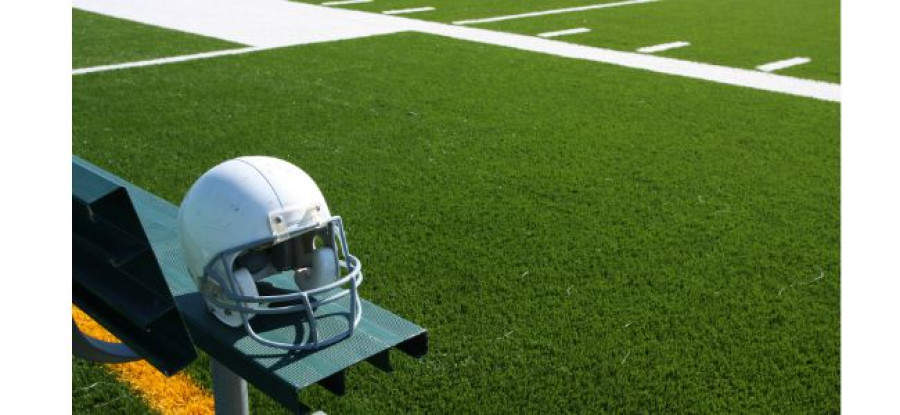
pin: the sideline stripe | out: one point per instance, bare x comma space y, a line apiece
407, 11
173, 59
662, 47
343, 2
274, 23
554, 11
168, 395
787, 63
748, 78
564, 32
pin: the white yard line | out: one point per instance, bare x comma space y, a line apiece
554, 11
173, 59
662, 47
345, 2
720, 74
787, 63
408, 11
564, 32
268, 23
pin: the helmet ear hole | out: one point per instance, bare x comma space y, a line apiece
319, 241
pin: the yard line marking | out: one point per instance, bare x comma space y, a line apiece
178, 394
787, 63
554, 11
664, 46
275, 23
172, 59
407, 11
343, 2
564, 32
748, 78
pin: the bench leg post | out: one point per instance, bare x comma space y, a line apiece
229, 390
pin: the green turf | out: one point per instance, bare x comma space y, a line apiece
575, 236
740, 33
97, 391
101, 40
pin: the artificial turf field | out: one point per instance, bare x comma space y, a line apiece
576, 236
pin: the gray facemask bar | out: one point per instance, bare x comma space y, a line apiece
353, 278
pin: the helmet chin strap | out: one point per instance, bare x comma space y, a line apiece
246, 287
323, 269
245, 282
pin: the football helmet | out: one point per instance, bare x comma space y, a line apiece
258, 239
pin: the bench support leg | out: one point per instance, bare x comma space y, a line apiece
229, 390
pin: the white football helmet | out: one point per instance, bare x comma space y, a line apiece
255, 218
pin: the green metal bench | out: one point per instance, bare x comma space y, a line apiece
278, 373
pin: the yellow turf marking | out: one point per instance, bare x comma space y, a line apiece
173, 395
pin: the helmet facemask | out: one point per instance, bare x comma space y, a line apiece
300, 270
